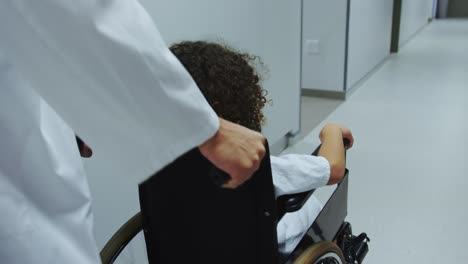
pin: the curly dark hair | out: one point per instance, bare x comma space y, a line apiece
228, 80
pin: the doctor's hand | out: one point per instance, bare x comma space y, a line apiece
236, 150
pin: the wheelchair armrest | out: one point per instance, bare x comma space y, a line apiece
291, 202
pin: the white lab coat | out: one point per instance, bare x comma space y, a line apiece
44, 196
103, 66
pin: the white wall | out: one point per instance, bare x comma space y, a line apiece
281, 42
414, 16
324, 21
268, 28
369, 36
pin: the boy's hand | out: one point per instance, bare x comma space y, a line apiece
235, 150
345, 132
332, 137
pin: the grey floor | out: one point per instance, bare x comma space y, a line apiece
408, 169
314, 110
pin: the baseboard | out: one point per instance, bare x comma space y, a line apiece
323, 93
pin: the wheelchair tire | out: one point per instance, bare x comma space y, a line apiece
323, 252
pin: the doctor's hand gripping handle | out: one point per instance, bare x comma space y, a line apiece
236, 150
218, 176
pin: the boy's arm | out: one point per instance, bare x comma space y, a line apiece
333, 149
296, 173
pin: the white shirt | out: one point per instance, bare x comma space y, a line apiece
294, 173
103, 66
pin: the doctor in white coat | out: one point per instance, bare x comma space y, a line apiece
92, 66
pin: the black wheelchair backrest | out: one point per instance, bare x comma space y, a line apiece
189, 219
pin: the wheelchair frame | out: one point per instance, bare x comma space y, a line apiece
329, 225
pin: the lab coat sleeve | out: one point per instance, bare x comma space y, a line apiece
103, 66
294, 173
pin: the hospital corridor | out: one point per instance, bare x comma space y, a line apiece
408, 169
233, 132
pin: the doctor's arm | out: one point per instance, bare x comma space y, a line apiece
103, 66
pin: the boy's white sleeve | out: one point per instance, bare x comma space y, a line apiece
103, 66
294, 173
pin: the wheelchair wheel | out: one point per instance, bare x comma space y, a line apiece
324, 252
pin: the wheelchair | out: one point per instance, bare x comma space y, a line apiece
187, 218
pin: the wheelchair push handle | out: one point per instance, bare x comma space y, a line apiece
346, 143
218, 176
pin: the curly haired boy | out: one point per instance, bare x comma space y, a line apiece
232, 86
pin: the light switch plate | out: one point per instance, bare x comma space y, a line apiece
312, 46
